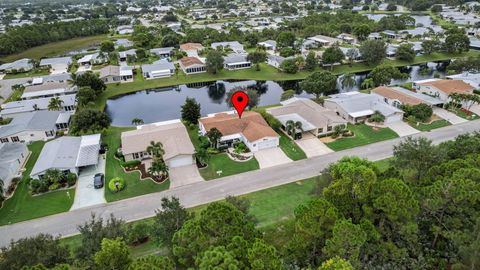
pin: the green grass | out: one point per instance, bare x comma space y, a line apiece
133, 185
55, 48
23, 206
463, 115
290, 148
430, 126
32, 73
363, 135
15, 95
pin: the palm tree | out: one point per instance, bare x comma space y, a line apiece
202, 156
368, 83
348, 80
155, 149
55, 104
137, 121
292, 128
158, 168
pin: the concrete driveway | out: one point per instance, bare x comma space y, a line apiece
475, 109
85, 194
184, 175
402, 129
271, 157
312, 146
449, 116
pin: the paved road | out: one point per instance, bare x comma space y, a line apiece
203, 192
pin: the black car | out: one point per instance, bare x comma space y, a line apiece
98, 180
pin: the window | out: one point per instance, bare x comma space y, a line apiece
329, 128
15, 139
49, 133
320, 130
4, 140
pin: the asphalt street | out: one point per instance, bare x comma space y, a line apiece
66, 224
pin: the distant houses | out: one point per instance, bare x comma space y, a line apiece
22, 65
234, 46
162, 52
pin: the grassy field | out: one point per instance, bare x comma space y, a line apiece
266, 73
32, 73
290, 148
363, 135
55, 48
430, 126
134, 186
23, 206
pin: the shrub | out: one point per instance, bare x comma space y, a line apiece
119, 154
137, 234
71, 179
131, 164
54, 186
204, 142
240, 148
272, 121
116, 184
35, 186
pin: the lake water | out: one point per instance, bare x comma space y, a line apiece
163, 104
423, 19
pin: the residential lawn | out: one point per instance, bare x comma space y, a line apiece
55, 48
463, 115
266, 73
428, 127
290, 148
220, 162
133, 185
15, 95
363, 135
23, 206
32, 73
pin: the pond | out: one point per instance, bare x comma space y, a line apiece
425, 20
162, 104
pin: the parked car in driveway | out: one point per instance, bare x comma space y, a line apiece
98, 180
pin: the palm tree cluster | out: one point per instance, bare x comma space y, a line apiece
294, 129
158, 167
55, 104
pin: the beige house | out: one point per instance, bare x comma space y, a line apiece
441, 89
192, 65
173, 135
315, 119
116, 74
398, 96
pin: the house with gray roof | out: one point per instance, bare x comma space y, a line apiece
29, 105
115, 74
236, 61
162, 52
49, 89
34, 126
57, 64
235, 46
268, 45
356, 107
275, 60
93, 59
159, 69
67, 154
122, 42
12, 159
22, 65
122, 56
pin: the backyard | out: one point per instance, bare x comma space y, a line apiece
23, 206
220, 162
133, 185
363, 135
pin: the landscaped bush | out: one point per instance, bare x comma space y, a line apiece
204, 142
240, 148
421, 112
272, 121
54, 186
137, 234
131, 164
119, 154
71, 179
116, 184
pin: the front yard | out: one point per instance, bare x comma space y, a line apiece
428, 127
133, 185
220, 162
23, 206
290, 148
363, 135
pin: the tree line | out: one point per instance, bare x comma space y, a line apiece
24, 37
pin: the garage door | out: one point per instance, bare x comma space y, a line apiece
393, 118
180, 161
267, 144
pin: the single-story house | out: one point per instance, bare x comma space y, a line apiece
356, 107
315, 119
67, 154
345, 52
192, 65
57, 65
389, 34
114, 74
29, 105
34, 126
325, 41
471, 78
398, 96
173, 135
236, 61
347, 38
162, 52
122, 56
159, 69
235, 46
441, 89
124, 29
251, 129
93, 59
191, 49
12, 159
49, 89
22, 65
270, 45
122, 42
374, 36
275, 60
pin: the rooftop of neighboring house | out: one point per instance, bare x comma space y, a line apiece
358, 104
450, 86
31, 104
173, 136
56, 61
34, 90
166, 50
111, 70
405, 96
235, 58
191, 46
19, 64
36, 120
251, 125
158, 65
190, 61
309, 113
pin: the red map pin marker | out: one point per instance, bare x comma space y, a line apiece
240, 101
